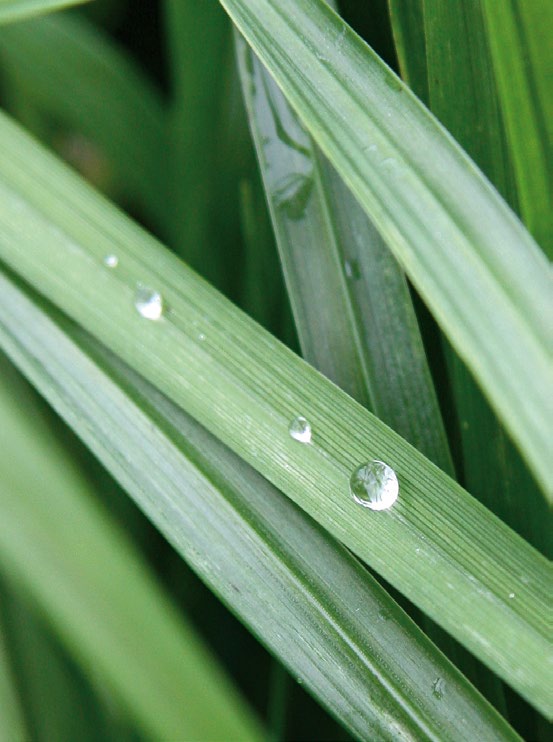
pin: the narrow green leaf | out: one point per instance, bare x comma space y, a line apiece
59, 704
352, 305
407, 21
478, 269
98, 594
211, 359
322, 611
198, 38
16, 10
12, 723
519, 35
74, 74
463, 95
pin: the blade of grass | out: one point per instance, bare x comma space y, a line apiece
460, 69
73, 73
211, 359
16, 10
321, 610
519, 36
59, 704
13, 727
407, 21
108, 609
478, 269
360, 329
197, 34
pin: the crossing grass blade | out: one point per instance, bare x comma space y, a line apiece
16, 10
522, 59
352, 305
250, 543
77, 78
462, 70
57, 542
211, 359
480, 272
12, 725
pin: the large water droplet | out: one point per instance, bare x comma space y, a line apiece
438, 688
148, 303
111, 261
374, 485
300, 430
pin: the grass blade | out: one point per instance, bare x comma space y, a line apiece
108, 606
461, 69
251, 545
352, 306
16, 10
210, 358
436, 212
13, 727
74, 74
522, 57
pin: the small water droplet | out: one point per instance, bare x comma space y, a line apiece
111, 261
148, 303
351, 269
511, 595
374, 485
292, 194
300, 430
371, 148
438, 688
201, 337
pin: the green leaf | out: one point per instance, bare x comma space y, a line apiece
407, 21
211, 359
99, 595
74, 74
352, 305
323, 614
477, 268
16, 10
13, 727
460, 70
198, 40
519, 35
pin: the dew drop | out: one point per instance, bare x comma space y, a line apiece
111, 261
148, 303
438, 688
511, 595
201, 337
300, 430
374, 485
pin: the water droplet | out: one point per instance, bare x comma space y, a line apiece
300, 430
374, 485
371, 148
438, 688
148, 303
111, 261
351, 269
511, 595
201, 337
292, 194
